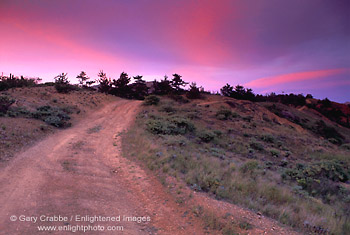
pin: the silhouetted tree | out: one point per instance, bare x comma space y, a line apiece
193, 92
62, 83
249, 95
326, 103
309, 96
227, 90
12, 81
82, 78
105, 84
89, 83
177, 83
139, 88
62, 78
163, 87
121, 86
238, 92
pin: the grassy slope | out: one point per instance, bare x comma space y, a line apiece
241, 152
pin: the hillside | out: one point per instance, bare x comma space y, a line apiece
290, 164
36, 111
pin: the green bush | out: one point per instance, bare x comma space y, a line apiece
151, 100
18, 112
249, 166
245, 225
223, 114
319, 179
170, 126
183, 125
275, 152
52, 116
206, 136
256, 145
5, 103
268, 138
168, 109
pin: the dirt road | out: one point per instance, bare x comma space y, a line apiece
79, 174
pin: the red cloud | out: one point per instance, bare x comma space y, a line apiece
52, 34
295, 77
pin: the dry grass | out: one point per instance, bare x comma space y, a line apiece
239, 158
19, 130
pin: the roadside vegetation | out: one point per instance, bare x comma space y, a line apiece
240, 152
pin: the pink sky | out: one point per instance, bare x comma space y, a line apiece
268, 45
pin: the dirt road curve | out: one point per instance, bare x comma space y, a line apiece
80, 172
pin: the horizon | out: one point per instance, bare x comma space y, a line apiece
269, 46
41, 81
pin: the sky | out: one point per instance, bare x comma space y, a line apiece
268, 45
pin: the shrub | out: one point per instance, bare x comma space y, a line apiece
179, 98
62, 84
65, 88
206, 136
208, 181
170, 126
168, 109
151, 100
183, 125
18, 111
193, 115
12, 81
54, 121
328, 132
319, 179
52, 116
223, 114
194, 92
256, 145
70, 109
249, 166
5, 103
346, 146
275, 152
245, 225
158, 127
268, 138
218, 133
